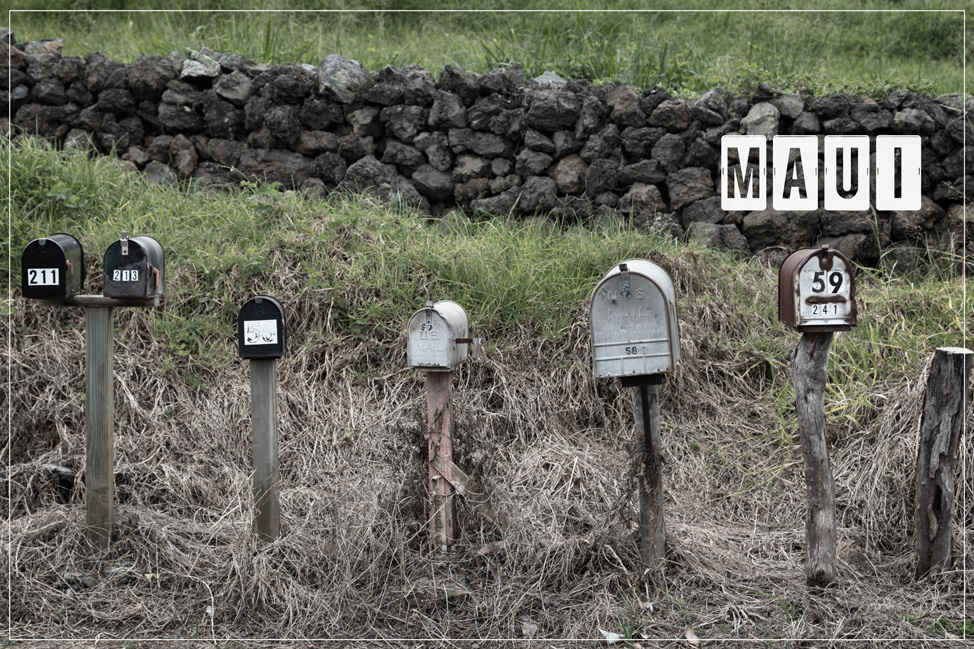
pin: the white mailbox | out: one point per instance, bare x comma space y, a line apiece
438, 336
817, 291
634, 330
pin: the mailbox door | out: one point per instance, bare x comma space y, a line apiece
430, 342
825, 293
260, 328
633, 324
52, 268
127, 271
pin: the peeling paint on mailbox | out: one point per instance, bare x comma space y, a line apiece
817, 291
433, 333
634, 329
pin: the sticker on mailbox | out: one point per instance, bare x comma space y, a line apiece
119, 275
826, 293
260, 332
42, 276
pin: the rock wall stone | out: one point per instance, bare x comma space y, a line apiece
495, 143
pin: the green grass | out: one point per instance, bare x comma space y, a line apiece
688, 53
368, 269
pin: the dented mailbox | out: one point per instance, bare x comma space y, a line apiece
260, 328
437, 336
52, 268
134, 268
634, 330
817, 291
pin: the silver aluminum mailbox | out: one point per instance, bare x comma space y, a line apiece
634, 330
433, 334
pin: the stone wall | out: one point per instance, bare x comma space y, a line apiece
495, 143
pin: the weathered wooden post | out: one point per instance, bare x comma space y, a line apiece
52, 270
944, 409
437, 340
635, 336
261, 338
99, 426
816, 296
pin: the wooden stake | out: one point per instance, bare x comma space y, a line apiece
263, 398
99, 427
440, 459
944, 408
652, 533
811, 363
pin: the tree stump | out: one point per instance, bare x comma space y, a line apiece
941, 423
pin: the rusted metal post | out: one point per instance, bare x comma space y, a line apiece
99, 427
941, 424
652, 532
811, 363
263, 396
440, 460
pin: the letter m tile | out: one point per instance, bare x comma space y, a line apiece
742, 187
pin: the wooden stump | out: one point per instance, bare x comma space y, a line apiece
810, 364
652, 532
263, 399
944, 408
99, 426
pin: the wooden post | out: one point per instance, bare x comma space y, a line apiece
652, 533
440, 459
944, 409
263, 400
99, 427
811, 363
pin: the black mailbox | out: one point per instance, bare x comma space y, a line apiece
52, 268
134, 268
260, 328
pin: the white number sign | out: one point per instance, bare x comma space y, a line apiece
260, 332
125, 275
826, 293
42, 277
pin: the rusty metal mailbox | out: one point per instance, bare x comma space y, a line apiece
260, 328
817, 291
438, 336
634, 330
134, 268
52, 268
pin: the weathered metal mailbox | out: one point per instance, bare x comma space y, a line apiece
817, 291
134, 268
635, 336
437, 341
260, 328
634, 330
438, 336
52, 268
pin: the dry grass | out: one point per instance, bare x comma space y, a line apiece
552, 447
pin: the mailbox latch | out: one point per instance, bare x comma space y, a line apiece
624, 275
125, 243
